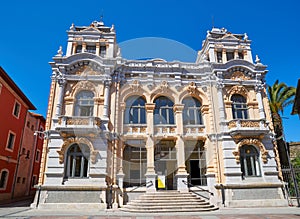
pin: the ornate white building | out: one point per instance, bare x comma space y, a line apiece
119, 128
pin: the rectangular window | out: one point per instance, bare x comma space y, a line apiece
3, 179
33, 181
91, 49
10, 141
102, 51
37, 156
78, 49
18, 179
17, 108
229, 55
219, 57
241, 55
23, 180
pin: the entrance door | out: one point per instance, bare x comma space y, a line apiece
165, 170
195, 172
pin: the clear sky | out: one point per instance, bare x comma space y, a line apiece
32, 31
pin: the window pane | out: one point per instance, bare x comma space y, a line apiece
135, 110
3, 179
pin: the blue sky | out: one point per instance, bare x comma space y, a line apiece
32, 31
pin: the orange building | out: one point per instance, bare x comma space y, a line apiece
14, 145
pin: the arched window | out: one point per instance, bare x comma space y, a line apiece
249, 161
3, 179
239, 107
191, 112
77, 161
135, 110
163, 112
84, 105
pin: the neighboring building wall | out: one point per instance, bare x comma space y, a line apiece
13, 111
115, 124
28, 169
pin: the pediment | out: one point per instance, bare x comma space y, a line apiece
229, 37
90, 29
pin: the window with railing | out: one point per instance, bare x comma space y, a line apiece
91, 49
84, 105
239, 107
135, 112
163, 112
191, 112
249, 159
77, 161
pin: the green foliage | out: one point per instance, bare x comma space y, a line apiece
280, 96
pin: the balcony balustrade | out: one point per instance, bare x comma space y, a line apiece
248, 127
72, 125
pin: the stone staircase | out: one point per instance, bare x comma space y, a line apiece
168, 201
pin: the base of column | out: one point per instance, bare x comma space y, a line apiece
150, 182
182, 182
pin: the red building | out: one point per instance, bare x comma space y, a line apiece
14, 144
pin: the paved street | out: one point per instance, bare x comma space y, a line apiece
23, 211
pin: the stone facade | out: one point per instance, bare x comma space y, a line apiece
117, 128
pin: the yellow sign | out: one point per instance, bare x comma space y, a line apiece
161, 179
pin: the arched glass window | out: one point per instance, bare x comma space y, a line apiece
163, 112
77, 161
239, 107
3, 179
191, 112
84, 105
249, 161
135, 110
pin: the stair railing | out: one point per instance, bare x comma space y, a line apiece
147, 184
198, 187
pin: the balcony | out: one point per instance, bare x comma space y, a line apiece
76, 125
193, 131
134, 130
248, 127
164, 130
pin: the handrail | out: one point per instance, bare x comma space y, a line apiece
191, 185
144, 184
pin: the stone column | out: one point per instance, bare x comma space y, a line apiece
150, 174
74, 46
98, 49
61, 92
258, 89
107, 84
181, 175
220, 99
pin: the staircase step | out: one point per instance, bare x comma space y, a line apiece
168, 201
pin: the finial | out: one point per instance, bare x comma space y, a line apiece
245, 36
257, 59
59, 52
112, 29
72, 27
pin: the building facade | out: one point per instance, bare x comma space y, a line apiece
13, 117
118, 128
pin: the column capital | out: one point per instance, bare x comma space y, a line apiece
150, 107
178, 107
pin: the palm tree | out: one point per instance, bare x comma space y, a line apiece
280, 96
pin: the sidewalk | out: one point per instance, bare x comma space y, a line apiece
224, 213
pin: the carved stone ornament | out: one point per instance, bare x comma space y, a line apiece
69, 141
251, 141
163, 86
238, 90
239, 76
83, 85
135, 85
192, 88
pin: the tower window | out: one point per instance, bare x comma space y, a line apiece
219, 57
3, 179
229, 55
91, 49
241, 55
17, 108
102, 51
79, 49
11, 141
